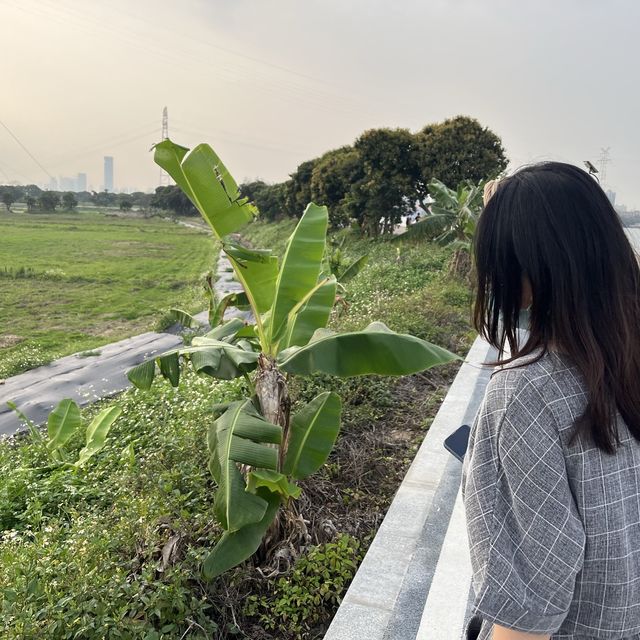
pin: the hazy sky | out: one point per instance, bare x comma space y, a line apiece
271, 83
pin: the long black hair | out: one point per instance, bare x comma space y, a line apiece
551, 223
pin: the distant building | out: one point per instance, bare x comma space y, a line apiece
108, 173
611, 195
81, 182
65, 183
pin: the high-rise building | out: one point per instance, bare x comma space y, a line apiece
108, 173
81, 182
611, 195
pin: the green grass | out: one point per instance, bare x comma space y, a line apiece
81, 551
75, 281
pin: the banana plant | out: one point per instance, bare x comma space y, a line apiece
258, 450
453, 215
62, 424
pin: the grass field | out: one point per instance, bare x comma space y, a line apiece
82, 552
75, 281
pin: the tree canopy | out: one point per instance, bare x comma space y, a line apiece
384, 174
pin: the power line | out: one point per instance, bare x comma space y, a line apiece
314, 98
13, 135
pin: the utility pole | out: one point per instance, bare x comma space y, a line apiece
603, 161
165, 181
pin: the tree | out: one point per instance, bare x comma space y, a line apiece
48, 201
298, 189
455, 150
140, 199
171, 198
331, 179
269, 198
10, 194
8, 198
69, 201
104, 198
258, 451
126, 203
387, 188
31, 203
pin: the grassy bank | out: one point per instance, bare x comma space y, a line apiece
114, 551
74, 281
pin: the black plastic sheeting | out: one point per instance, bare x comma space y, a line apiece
83, 379
86, 379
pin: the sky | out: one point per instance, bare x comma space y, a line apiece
272, 83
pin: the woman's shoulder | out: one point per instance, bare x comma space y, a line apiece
551, 373
533, 383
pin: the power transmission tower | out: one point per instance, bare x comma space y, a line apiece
165, 181
603, 160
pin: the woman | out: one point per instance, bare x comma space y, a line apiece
551, 478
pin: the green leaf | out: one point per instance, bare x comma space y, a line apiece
311, 315
242, 436
184, 318
220, 359
226, 330
300, 267
354, 268
206, 361
142, 375
257, 271
62, 423
374, 350
236, 299
170, 367
206, 182
235, 547
97, 432
314, 430
274, 481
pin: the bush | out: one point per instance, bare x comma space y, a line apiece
311, 591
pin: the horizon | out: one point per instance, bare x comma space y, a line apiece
260, 87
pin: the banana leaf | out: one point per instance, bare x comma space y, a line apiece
314, 429
374, 350
228, 329
300, 267
257, 271
184, 318
237, 299
214, 357
206, 182
354, 268
274, 481
235, 547
311, 314
170, 368
62, 423
97, 432
242, 435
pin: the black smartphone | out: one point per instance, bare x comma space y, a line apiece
456, 443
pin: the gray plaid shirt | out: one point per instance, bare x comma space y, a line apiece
554, 530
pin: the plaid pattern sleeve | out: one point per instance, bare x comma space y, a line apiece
526, 536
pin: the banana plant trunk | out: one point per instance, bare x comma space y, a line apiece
273, 395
